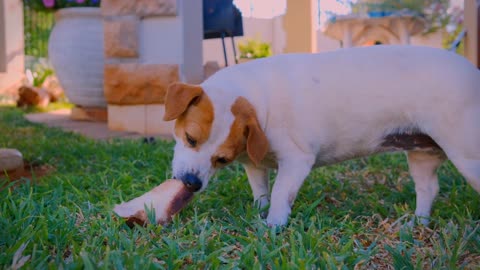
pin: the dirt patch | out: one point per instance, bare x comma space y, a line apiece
34, 172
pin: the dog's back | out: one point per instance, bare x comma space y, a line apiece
350, 69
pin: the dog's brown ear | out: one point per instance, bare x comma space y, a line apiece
178, 98
257, 142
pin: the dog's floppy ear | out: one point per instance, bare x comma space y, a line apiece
257, 142
179, 96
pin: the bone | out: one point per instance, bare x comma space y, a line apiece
166, 199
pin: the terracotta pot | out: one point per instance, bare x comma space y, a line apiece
75, 49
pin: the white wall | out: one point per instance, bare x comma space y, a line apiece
159, 40
174, 40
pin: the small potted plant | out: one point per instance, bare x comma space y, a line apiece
75, 48
253, 49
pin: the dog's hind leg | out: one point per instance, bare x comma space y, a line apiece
423, 169
470, 169
463, 145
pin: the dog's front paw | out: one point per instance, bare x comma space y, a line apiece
262, 205
420, 220
277, 218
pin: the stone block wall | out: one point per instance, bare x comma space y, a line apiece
148, 45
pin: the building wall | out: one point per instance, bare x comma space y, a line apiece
272, 31
266, 30
11, 45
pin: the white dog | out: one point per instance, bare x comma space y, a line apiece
297, 111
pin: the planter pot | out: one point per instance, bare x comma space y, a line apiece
75, 49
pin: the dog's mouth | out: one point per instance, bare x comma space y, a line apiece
194, 180
191, 181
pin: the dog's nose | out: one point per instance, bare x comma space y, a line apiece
192, 182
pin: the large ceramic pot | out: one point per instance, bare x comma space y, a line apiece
75, 49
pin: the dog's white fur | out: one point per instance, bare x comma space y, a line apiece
319, 109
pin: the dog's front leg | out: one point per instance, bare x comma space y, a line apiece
258, 179
291, 174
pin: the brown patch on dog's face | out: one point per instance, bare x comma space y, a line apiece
232, 147
245, 134
193, 110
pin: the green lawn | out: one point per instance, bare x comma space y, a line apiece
345, 216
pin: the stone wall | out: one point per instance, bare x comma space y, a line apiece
148, 45
127, 78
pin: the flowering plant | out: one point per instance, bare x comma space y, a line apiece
57, 4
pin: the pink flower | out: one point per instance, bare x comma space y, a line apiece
49, 3
80, 1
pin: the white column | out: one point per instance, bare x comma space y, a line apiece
300, 25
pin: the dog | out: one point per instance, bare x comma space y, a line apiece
294, 112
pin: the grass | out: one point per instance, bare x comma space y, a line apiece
347, 216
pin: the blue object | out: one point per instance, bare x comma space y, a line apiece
387, 13
375, 14
221, 18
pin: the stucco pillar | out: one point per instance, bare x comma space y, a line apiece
192, 65
300, 24
11, 45
347, 41
403, 33
472, 22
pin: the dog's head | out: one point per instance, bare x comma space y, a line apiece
210, 135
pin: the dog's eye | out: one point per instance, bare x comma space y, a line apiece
222, 160
191, 141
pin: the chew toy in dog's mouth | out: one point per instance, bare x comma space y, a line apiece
165, 200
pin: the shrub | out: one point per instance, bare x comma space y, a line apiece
254, 49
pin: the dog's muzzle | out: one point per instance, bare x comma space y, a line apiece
192, 182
